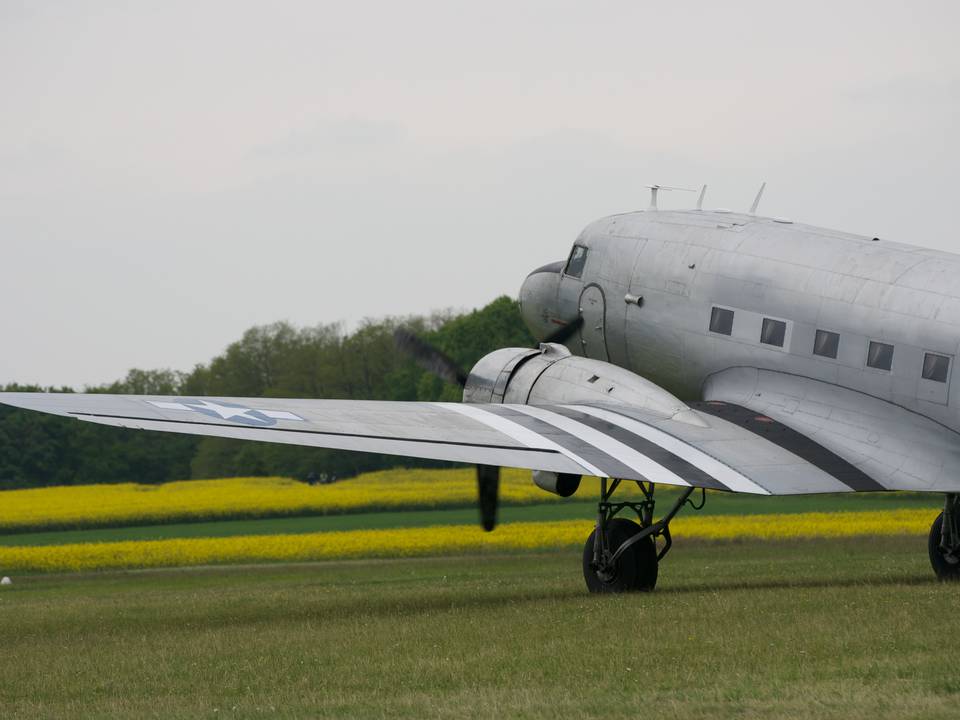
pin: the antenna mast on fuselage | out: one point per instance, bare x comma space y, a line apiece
756, 200
655, 188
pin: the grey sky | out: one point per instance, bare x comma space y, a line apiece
172, 173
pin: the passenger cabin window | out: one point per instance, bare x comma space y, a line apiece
936, 367
578, 258
721, 321
880, 356
773, 332
826, 344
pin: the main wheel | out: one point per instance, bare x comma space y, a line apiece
635, 570
947, 567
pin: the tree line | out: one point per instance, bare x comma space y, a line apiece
277, 360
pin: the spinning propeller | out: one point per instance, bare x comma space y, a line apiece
435, 361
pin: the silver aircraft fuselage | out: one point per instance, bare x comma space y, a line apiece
653, 282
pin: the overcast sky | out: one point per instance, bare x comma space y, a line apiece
172, 173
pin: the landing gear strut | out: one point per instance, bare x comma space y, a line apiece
622, 555
944, 540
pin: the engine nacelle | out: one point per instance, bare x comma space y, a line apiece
552, 375
562, 484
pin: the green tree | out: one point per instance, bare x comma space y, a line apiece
276, 360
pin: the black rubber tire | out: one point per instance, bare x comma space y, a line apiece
944, 569
636, 569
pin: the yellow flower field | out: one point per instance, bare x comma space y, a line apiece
456, 539
129, 503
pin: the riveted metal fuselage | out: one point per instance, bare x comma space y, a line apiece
652, 279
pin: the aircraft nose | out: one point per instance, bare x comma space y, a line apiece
538, 299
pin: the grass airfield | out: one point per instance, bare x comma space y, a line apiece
766, 627
848, 628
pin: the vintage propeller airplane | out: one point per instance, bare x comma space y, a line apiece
814, 361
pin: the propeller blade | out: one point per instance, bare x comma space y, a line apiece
488, 491
565, 332
428, 357
435, 361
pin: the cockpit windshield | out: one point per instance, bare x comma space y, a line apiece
578, 258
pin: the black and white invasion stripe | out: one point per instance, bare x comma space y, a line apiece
608, 444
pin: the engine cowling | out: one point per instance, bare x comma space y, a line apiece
552, 375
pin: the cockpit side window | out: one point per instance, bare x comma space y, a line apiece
578, 258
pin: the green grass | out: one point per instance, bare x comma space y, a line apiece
850, 629
717, 504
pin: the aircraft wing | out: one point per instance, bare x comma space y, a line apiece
867, 443
721, 448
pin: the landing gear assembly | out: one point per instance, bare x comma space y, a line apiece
944, 540
622, 555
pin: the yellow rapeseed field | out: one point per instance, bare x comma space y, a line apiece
130, 503
451, 539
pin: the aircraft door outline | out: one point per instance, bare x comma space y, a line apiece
593, 335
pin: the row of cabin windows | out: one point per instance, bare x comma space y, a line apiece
827, 344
